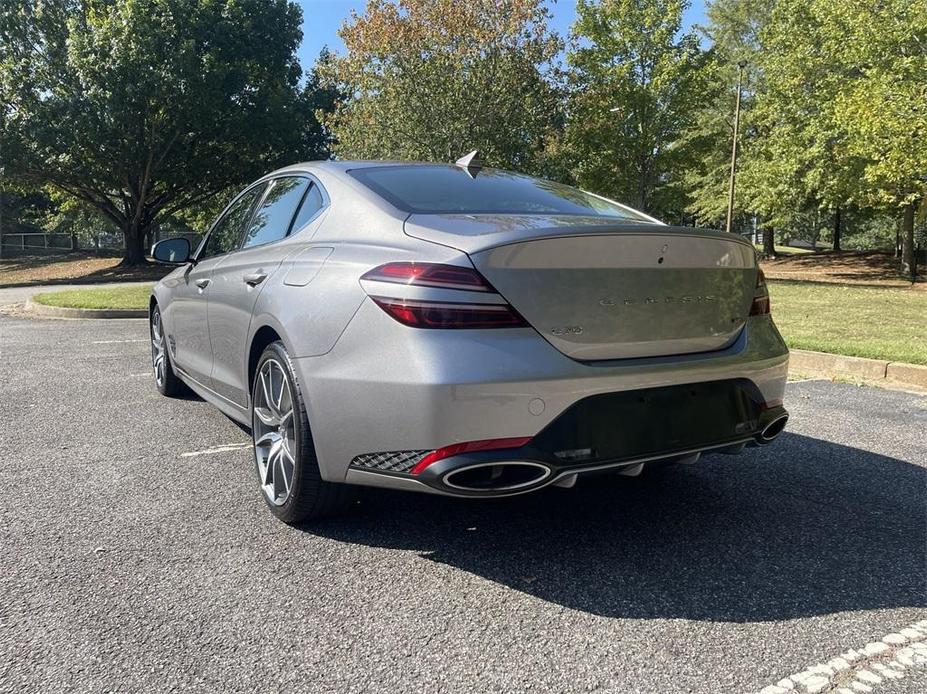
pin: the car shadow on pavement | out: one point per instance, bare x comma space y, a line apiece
800, 528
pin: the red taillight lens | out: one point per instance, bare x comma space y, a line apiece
430, 275
760, 305
468, 447
434, 314
417, 312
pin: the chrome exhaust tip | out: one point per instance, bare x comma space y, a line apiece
493, 477
772, 430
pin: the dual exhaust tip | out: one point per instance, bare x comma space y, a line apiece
505, 477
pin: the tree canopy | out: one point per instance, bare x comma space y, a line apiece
142, 108
635, 82
434, 79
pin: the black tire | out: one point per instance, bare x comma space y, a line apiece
167, 383
310, 497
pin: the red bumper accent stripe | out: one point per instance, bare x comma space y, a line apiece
468, 447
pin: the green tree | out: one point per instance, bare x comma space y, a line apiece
143, 108
635, 82
842, 117
733, 32
434, 79
881, 105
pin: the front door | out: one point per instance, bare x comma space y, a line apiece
190, 344
188, 339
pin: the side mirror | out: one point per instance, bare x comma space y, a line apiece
171, 251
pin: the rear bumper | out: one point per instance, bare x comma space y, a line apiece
604, 431
550, 467
410, 391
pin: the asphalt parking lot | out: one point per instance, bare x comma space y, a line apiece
137, 554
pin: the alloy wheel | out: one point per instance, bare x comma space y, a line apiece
157, 348
274, 430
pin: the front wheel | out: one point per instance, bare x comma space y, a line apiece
284, 453
165, 379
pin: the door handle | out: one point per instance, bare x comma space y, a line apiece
254, 278
202, 284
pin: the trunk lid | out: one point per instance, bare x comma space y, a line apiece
599, 290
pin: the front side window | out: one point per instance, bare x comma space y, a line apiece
272, 220
441, 189
227, 231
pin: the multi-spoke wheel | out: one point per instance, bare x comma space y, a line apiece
284, 453
165, 379
274, 432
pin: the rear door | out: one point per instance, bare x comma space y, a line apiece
189, 336
287, 205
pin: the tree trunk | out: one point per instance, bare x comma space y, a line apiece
134, 253
837, 229
769, 243
907, 242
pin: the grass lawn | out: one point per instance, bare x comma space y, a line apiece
876, 322
99, 297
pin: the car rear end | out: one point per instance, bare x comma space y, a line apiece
546, 344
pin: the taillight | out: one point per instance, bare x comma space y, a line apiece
438, 314
760, 305
468, 447
430, 275
444, 311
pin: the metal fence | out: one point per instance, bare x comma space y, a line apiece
27, 241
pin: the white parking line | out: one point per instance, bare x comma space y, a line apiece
861, 670
114, 342
225, 448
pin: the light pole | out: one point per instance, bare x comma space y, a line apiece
730, 191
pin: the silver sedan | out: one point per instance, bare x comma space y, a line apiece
462, 330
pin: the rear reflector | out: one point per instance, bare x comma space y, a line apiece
435, 314
468, 447
430, 275
760, 306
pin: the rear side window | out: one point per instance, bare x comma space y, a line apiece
312, 203
450, 189
271, 222
227, 231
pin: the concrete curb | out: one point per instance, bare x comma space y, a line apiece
912, 374
825, 365
62, 312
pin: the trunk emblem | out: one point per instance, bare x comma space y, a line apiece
567, 330
687, 299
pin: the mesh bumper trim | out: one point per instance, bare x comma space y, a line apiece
389, 461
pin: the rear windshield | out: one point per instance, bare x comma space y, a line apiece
450, 189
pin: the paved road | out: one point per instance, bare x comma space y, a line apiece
137, 554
